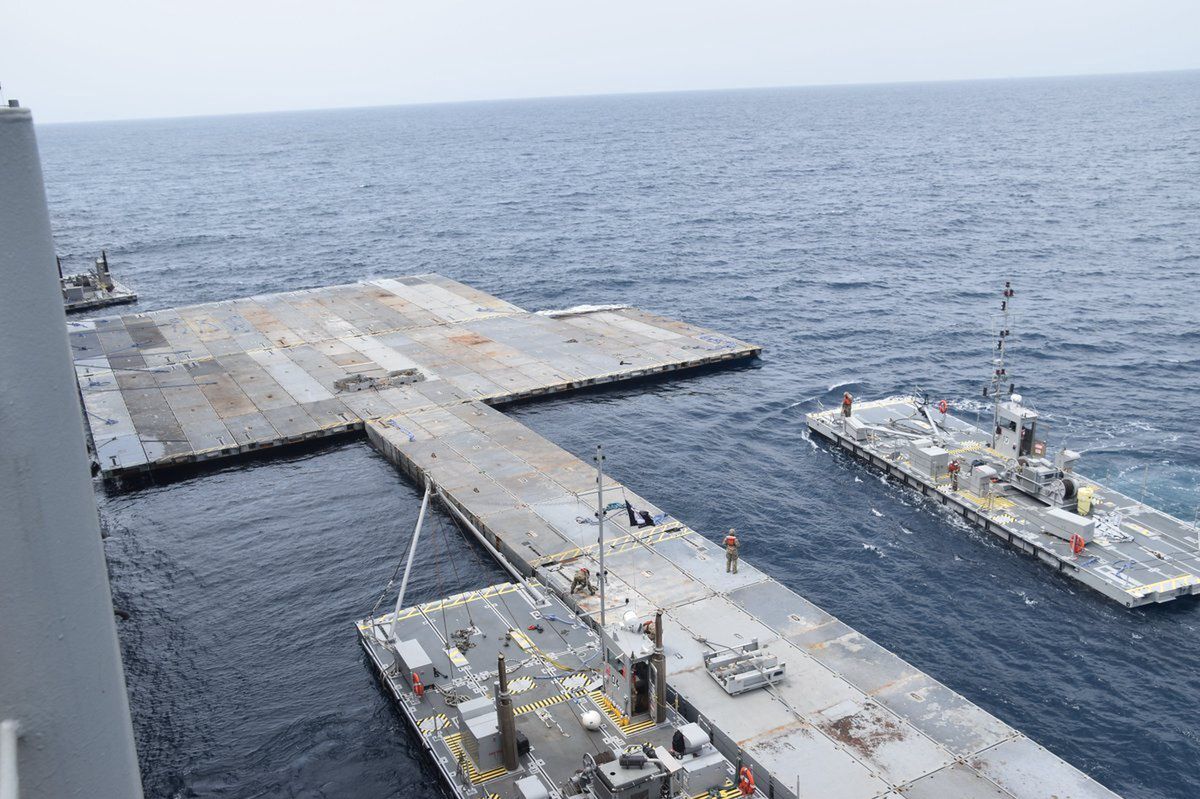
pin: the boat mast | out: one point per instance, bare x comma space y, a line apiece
599, 459
1000, 374
412, 551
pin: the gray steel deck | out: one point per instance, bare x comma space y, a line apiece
193, 384
850, 721
1140, 555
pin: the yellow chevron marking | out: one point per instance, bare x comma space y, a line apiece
544, 703
432, 724
626, 726
456, 657
520, 685
522, 640
454, 742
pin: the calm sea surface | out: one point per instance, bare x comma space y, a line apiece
860, 234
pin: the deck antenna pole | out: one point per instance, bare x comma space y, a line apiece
999, 371
412, 552
599, 459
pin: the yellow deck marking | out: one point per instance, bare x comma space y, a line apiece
522, 640
521, 685
1140, 529
983, 502
1164, 585
443, 604
616, 716
544, 703
456, 657
454, 742
432, 724
729, 791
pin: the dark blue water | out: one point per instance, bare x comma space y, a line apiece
860, 234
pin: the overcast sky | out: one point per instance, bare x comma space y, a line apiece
84, 59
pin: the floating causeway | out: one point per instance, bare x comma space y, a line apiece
1138, 555
850, 720
188, 385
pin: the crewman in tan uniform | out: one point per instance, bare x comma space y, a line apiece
582, 581
731, 552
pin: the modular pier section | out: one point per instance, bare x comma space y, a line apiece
1138, 555
418, 362
850, 720
188, 385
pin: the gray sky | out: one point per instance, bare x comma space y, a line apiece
83, 59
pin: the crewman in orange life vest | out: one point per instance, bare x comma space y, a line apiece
847, 404
731, 552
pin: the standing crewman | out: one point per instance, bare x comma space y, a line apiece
953, 469
582, 581
731, 552
847, 404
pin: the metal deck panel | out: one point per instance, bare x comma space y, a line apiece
958, 781
1028, 771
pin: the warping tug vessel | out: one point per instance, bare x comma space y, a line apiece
1007, 482
94, 289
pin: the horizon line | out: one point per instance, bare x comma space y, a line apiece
594, 95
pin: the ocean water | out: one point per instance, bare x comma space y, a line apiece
860, 234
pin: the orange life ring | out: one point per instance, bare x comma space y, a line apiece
943, 406
1077, 543
418, 688
746, 781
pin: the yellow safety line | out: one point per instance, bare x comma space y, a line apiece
1164, 585
730, 791
983, 502
442, 604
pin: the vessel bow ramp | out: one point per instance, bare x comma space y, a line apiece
806, 705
